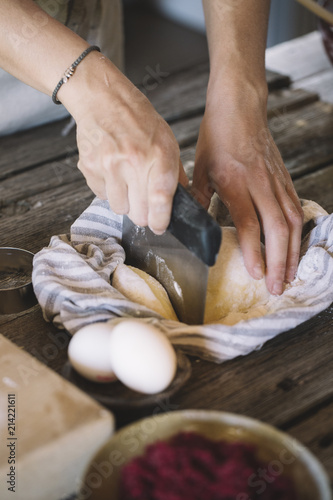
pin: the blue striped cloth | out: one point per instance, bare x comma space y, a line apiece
71, 279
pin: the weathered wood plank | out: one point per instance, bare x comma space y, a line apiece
63, 170
184, 93
279, 103
317, 186
177, 95
303, 136
186, 130
31, 332
285, 100
321, 83
45, 214
36, 181
36, 146
297, 379
316, 433
276, 80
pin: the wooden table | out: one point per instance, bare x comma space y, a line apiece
288, 382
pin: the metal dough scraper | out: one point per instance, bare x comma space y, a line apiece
179, 258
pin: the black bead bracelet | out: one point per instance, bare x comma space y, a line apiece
70, 71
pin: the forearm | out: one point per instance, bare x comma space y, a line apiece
37, 50
236, 155
34, 47
237, 31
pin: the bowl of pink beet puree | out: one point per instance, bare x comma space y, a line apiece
203, 455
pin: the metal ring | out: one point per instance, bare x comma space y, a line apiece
16, 299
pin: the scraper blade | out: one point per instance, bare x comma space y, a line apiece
179, 258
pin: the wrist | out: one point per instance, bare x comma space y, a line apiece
71, 70
236, 88
93, 77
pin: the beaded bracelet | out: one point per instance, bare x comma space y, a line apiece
70, 71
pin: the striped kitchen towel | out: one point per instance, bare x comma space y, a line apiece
71, 279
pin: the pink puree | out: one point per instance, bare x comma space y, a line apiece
192, 467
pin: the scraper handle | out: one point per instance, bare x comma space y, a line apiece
192, 225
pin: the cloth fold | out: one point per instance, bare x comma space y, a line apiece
71, 279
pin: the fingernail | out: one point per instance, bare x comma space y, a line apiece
159, 232
277, 288
258, 272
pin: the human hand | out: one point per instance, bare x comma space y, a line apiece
127, 152
236, 156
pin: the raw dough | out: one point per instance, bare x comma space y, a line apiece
143, 289
231, 291
232, 294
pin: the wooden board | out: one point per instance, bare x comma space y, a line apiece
304, 137
46, 177
36, 146
305, 61
296, 382
48, 213
318, 438
317, 186
54, 431
58, 169
322, 84
299, 58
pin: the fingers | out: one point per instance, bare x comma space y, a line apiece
293, 215
248, 229
162, 183
281, 219
145, 195
236, 156
151, 204
139, 183
276, 233
116, 188
273, 206
95, 182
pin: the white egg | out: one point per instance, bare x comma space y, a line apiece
88, 352
142, 357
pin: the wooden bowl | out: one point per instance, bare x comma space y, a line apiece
101, 480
